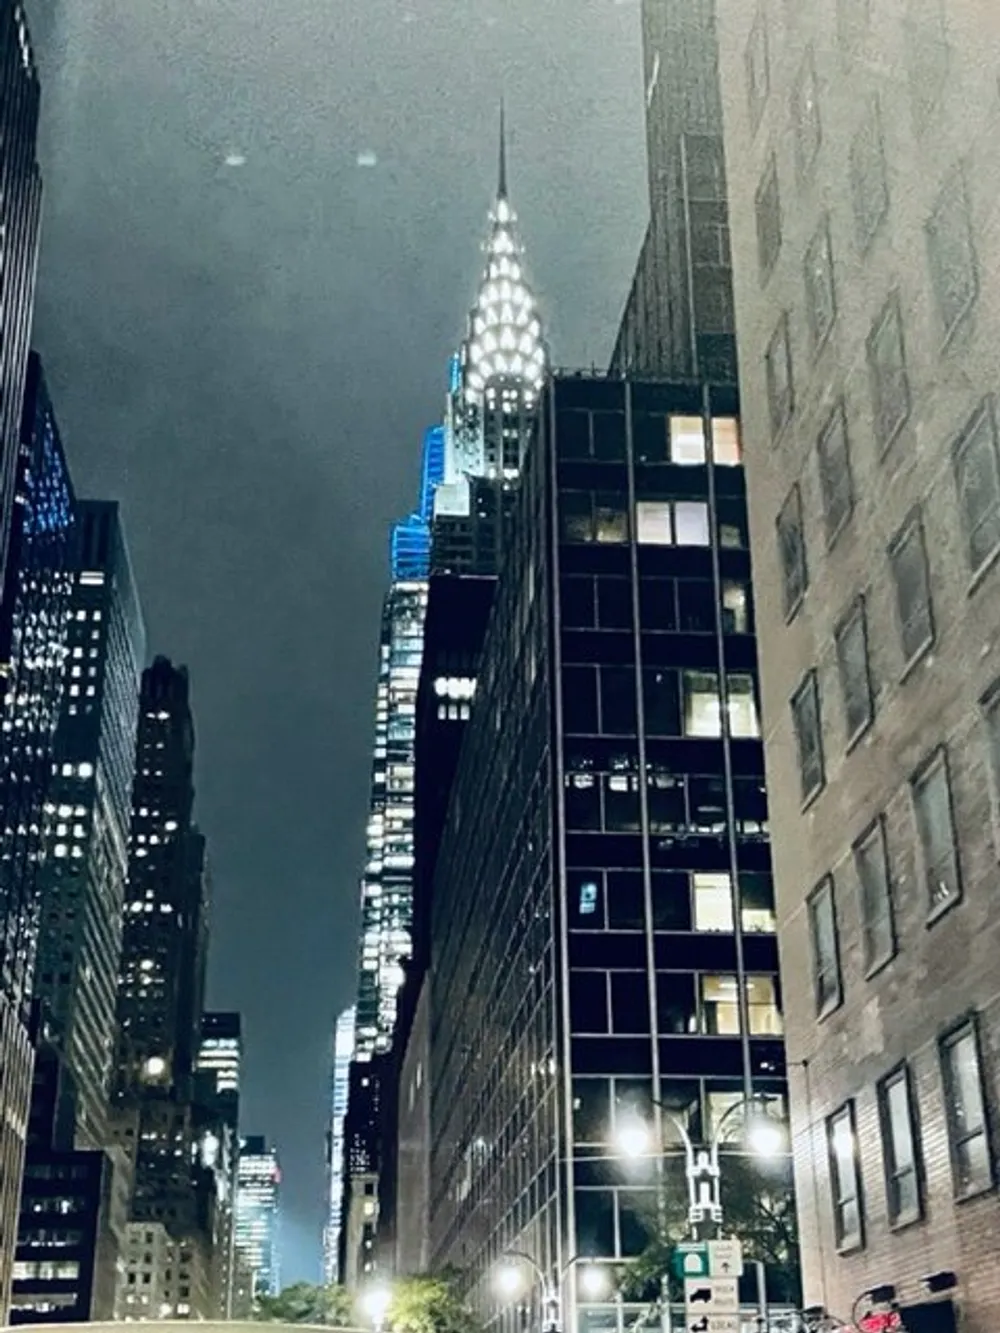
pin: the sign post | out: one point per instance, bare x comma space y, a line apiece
711, 1271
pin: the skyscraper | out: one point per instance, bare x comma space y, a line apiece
20, 206
343, 1053
493, 395
20, 200
34, 625
217, 1115
84, 872
164, 935
181, 1153
864, 175
258, 1197
603, 928
220, 1056
678, 319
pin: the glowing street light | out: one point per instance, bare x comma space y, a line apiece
762, 1133
375, 1303
509, 1282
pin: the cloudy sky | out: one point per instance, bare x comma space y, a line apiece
246, 328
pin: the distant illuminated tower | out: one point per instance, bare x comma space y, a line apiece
257, 1213
387, 886
493, 396
343, 1053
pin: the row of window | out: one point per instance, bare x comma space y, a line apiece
972, 1161
698, 900
687, 1003
665, 604
978, 478
940, 875
602, 517
657, 439
602, 700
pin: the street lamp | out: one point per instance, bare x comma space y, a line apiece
761, 1131
592, 1279
375, 1303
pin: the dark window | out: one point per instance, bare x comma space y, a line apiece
591, 1109
852, 661
618, 701
621, 803
573, 434
780, 392
758, 69
671, 900
887, 369
805, 115
977, 476
899, 1142
657, 604
614, 603
871, 859
991, 717
588, 1001
583, 802
768, 206
595, 1221
580, 700
926, 56
625, 900
869, 178
951, 253
845, 1179
807, 719
629, 1002
676, 1005
827, 987
821, 305
576, 602
908, 558
968, 1131
609, 435
931, 790
836, 482
662, 702
667, 803
696, 605
792, 551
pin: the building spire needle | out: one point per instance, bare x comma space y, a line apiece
502, 186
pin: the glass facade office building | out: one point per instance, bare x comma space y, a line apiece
585, 956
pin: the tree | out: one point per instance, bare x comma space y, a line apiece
758, 1209
304, 1303
430, 1303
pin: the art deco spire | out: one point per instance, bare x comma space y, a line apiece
504, 347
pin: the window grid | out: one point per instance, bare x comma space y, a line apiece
977, 478
807, 719
965, 1104
900, 1151
851, 638
835, 476
871, 861
932, 809
845, 1180
911, 577
825, 945
792, 552
890, 383
779, 373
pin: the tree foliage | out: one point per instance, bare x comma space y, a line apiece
758, 1209
306, 1303
421, 1304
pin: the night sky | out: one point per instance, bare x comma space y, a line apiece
246, 353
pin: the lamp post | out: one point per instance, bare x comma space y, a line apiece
509, 1281
701, 1162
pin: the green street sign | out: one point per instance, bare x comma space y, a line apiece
690, 1259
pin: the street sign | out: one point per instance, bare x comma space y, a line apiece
711, 1295
691, 1259
725, 1258
712, 1323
